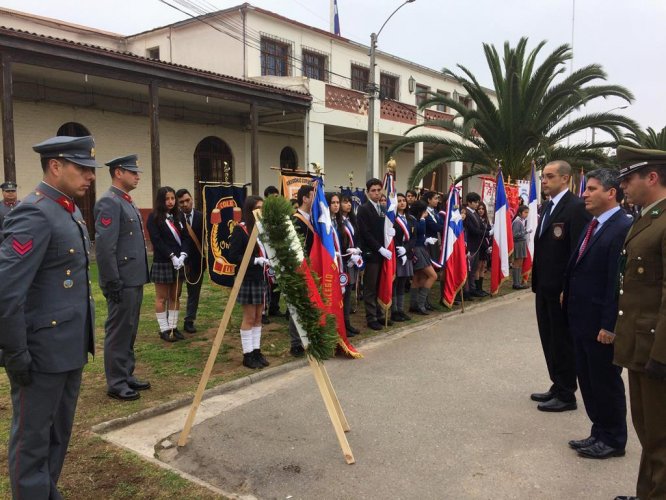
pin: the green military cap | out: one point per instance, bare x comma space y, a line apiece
633, 159
129, 162
79, 150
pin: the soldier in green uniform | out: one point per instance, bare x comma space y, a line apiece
640, 341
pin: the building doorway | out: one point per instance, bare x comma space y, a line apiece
86, 203
288, 158
213, 163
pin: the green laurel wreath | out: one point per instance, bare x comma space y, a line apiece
276, 216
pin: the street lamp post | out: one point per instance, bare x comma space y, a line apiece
372, 97
610, 110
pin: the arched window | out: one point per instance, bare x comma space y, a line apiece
87, 202
288, 158
210, 157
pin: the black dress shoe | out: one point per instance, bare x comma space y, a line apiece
139, 385
557, 405
351, 334
600, 450
351, 329
626, 497
167, 336
297, 351
374, 325
582, 443
396, 317
542, 397
429, 307
520, 287
468, 296
261, 359
250, 361
189, 328
404, 316
124, 395
177, 334
265, 320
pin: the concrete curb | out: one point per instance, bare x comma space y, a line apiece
247, 380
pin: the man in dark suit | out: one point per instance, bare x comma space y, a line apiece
590, 299
474, 233
370, 218
47, 314
194, 224
640, 342
557, 235
120, 248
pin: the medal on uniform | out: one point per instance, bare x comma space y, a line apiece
558, 231
68, 283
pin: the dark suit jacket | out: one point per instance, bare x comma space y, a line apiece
590, 292
554, 247
371, 232
194, 257
163, 240
474, 230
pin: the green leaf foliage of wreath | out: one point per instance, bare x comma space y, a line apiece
276, 215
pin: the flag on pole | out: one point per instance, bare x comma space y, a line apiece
502, 237
453, 249
583, 183
385, 286
531, 223
336, 18
325, 264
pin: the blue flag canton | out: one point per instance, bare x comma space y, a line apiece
321, 219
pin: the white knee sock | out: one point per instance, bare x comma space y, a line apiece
246, 341
162, 321
256, 337
173, 319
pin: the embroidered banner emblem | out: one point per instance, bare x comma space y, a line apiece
21, 248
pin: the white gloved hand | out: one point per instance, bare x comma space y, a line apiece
260, 261
492, 230
403, 259
176, 262
181, 260
385, 253
390, 232
355, 260
183, 255
529, 230
400, 251
354, 251
431, 241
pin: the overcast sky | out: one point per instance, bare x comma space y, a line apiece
626, 38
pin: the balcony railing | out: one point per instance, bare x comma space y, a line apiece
351, 101
431, 114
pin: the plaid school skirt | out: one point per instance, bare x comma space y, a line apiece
252, 292
164, 273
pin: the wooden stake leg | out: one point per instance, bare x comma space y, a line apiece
334, 397
332, 412
224, 322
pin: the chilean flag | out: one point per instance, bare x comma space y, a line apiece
502, 238
385, 286
325, 264
455, 258
531, 223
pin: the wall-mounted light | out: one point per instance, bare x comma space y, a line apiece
411, 84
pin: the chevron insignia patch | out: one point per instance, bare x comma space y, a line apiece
106, 221
22, 248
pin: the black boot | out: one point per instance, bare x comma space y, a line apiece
479, 288
259, 358
250, 361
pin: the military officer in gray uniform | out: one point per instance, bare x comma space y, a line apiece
640, 331
120, 248
9, 201
47, 314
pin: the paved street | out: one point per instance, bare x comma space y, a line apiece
443, 412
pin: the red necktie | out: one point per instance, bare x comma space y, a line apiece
588, 234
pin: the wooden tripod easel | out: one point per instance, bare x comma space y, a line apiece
337, 416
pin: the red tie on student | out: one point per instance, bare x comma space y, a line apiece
588, 234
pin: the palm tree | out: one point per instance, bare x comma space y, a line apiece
649, 139
530, 117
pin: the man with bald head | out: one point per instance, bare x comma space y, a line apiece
560, 226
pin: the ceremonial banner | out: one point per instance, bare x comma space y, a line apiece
531, 223
453, 249
582, 184
502, 238
326, 265
488, 195
291, 184
385, 285
222, 211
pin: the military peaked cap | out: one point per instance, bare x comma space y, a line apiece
633, 159
79, 150
8, 186
129, 162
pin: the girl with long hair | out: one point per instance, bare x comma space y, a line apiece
405, 236
252, 293
351, 259
485, 248
424, 274
519, 246
170, 245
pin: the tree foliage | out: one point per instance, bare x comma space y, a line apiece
648, 139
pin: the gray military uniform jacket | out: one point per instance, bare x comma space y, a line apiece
120, 244
46, 302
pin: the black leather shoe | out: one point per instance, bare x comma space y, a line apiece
124, 395
396, 317
600, 450
557, 405
189, 328
520, 287
405, 317
482, 293
626, 497
139, 385
167, 336
351, 334
265, 320
261, 359
374, 325
297, 351
542, 397
468, 297
429, 307
351, 329
582, 443
250, 361
422, 311
178, 335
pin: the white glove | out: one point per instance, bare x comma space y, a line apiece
490, 233
431, 241
529, 230
181, 260
183, 255
385, 253
176, 262
403, 259
400, 251
390, 232
355, 260
354, 251
260, 261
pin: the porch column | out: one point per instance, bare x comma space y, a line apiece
154, 113
8, 147
254, 148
